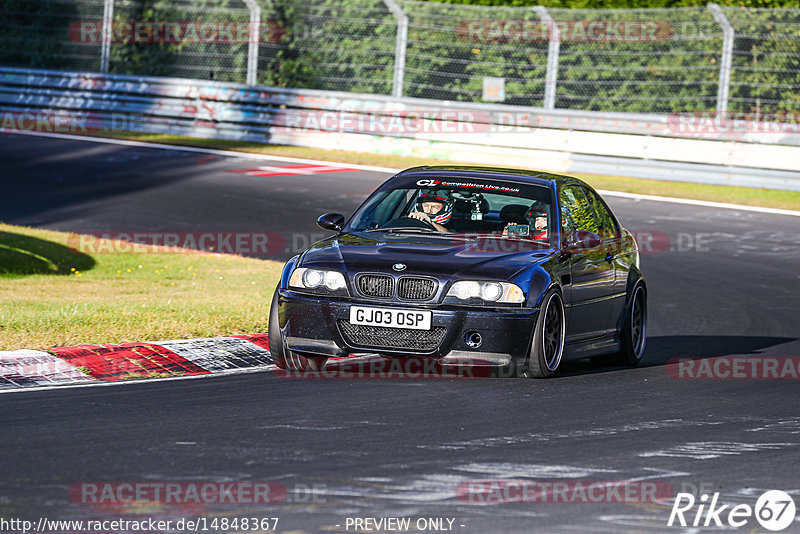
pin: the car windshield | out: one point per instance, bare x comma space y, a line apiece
511, 211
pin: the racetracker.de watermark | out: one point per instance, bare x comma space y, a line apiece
50, 121
576, 31
399, 368
176, 32
693, 123
78, 122
177, 493
735, 368
242, 243
445, 121
281, 244
567, 492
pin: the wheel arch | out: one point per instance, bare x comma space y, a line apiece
635, 278
540, 281
286, 273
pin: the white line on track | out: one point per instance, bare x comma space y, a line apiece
267, 157
705, 203
227, 153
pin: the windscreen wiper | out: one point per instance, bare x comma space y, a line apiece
413, 230
400, 229
528, 239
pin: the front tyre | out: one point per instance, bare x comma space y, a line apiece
634, 329
284, 358
547, 346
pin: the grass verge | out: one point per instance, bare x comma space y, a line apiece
53, 295
770, 198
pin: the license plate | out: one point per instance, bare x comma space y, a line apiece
392, 318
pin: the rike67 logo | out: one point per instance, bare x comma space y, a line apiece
774, 510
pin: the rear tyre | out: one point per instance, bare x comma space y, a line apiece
547, 346
284, 358
634, 329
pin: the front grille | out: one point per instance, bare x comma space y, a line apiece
416, 288
381, 337
375, 285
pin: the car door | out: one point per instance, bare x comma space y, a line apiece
611, 236
592, 275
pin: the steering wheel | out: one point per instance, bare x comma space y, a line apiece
405, 222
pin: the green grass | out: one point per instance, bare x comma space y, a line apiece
770, 198
53, 295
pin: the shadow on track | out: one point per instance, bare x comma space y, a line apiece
65, 180
661, 349
22, 255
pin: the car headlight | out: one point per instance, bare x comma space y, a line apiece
317, 279
487, 291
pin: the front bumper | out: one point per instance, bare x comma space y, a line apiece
311, 326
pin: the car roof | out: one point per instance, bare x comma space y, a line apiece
524, 176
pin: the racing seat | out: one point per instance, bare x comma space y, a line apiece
462, 215
514, 214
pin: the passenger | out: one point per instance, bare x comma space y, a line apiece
536, 217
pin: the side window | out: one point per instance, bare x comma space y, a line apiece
605, 220
576, 213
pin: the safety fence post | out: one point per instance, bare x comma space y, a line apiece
255, 38
400, 46
105, 41
553, 49
726, 60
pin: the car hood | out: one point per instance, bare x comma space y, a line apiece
437, 256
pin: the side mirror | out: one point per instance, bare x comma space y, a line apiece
331, 221
581, 240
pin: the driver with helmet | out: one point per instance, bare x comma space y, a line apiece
433, 207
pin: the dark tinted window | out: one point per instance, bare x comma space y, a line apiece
605, 220
576, 212
470, 206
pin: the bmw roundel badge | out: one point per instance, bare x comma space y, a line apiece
399, 266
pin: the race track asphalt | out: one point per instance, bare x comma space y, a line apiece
721, 283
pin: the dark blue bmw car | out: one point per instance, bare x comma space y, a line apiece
486, 267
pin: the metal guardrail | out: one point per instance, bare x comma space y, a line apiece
643, 145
